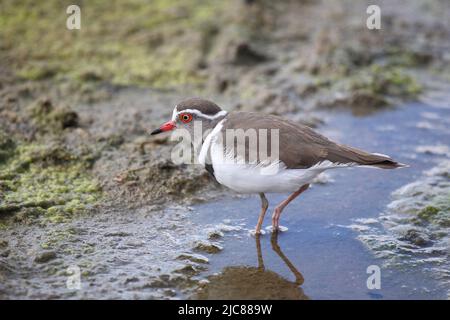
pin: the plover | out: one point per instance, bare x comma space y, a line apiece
301, 153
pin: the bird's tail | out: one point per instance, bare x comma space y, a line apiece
346, 154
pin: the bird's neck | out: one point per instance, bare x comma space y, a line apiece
207, 131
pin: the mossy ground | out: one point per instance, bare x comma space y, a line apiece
42, 180
437, 212
427, 204
385, 80
436, 202
129, 42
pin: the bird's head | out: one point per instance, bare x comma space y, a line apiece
188, 111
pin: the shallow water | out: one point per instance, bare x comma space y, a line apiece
206, 251
320, 242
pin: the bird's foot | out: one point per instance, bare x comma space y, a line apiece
255, 233
277, 229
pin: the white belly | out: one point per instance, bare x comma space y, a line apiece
247, 178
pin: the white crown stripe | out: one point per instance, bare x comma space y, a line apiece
198, 113
174, 114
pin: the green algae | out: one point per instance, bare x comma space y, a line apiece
6, 146
434, 211
438, 211
408, 58
126, 43
53, 238
48, 181
428, 212
385, 80
425, 204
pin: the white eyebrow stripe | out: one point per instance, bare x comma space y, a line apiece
174, 114
198, 113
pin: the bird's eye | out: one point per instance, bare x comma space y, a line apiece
185, 117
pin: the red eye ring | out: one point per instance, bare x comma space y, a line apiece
185, 117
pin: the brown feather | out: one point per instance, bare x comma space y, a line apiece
302, 147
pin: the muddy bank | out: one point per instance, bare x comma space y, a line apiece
274, 58
78, 170
149, 253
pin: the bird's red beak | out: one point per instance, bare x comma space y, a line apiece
168, 126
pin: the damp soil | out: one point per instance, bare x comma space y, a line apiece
206, 251
84, 190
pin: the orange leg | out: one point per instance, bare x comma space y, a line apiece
264, 206
277, 213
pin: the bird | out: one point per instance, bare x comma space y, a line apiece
301, 153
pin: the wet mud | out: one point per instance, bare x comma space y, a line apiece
83, 185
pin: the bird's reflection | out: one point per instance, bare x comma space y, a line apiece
245, 282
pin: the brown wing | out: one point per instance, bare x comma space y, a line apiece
302, 147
